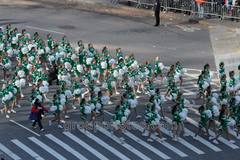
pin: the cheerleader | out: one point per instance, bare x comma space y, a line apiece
202, 123
42, 53
158, 70
1, 34
176, 122
57, 111
80, 44
5, 100
33, 95
159, 98
140, 72
91, 48
108, 80
169, 82
154, 124
6, 67
179, 70
223, 81
83, 114
21, 54
119, 54
200, 83
232, 111
77, 93
76, 72
11, 89
117, 118
173, 92
40, 84
149, 68
223, 127
147, 114
211, 120
101, 110
93, 101
49, 40
26, 68
237, 112
133, 101
18, 94
232, 79
101, 70
64, 89
221, 69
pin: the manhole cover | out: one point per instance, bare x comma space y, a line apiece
141, 30
67, 27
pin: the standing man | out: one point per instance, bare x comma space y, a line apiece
157, 12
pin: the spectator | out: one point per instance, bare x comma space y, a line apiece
200, 4
220, 3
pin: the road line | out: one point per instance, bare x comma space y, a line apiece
46, 148
124, 144
8, 152
26, 149
105, 145
203, 141
66, 147
85, 145
166, 144
146, 145
233, 146
44, 30
25, 128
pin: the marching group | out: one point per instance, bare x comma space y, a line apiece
91, 69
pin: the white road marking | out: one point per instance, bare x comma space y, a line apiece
85, 145
44, 30
25, 128
27, 150
46, 148
66, 147
8, 152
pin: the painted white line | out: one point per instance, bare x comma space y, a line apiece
105, 145
46, 148
26, 149
190, 69
25, 128
166, 144
85, 145
154, 150
66, 147
203, 141
8, 152
124, 144
44, 30
233, 146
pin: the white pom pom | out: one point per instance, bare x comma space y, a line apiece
67, 65
121, 71
214, 100
155, 122
183, 116
224, 101
45, 83
236, 81
134, 65
205, 85
68, 83
14, 90
96, 90
29, 67
63, 101
117, 122
182, 71
133, 103
112, 61
47, 49
59, 76
163, 99
14, 40
83, 90
164, 81
39, 97
89, 61
104, 65
186, 102
152, 92
215, 111
208, 113
124, 119
17, 83
236, 88
1, 46
68, 93
113, 83
80, 68
215, 95
176, 77
77, 91
22, 82
87, 110
161, 66
10, 52
105, 85
85, 82
60, 108
185, 111
125, 69
232, 123
29, 36
51, 58
115, 74
211, 75
105, 100
43, 89
41, 51
174, 96
98, 106
147, 71
209, 80
77, 49
2, 29
73, 57
92, 106
158, 108
127, 112
7, 65
31, 58
53, 108
93, 72
229, 89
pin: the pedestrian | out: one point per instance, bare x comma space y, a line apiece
37, 110
157, 12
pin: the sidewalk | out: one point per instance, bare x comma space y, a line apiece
122, 4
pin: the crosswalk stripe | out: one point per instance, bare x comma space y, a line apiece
9, 153
85, 145
203, 141
166, 144
105, 145
26, 149
154, 150
233, 146
65, 146
127, 146
46, 148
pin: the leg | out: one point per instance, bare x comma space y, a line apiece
199, 129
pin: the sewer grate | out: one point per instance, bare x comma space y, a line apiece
67, 27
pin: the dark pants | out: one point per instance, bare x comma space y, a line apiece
157, 12
39, 123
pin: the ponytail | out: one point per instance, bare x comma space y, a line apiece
221, 114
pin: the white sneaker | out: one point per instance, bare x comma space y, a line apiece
1, 111
47, 100
50, 123
138, 91
110, 102
98, 81
82, 95
163, 139
42, 115
155, 133
121, 138
186, 121
13, 111
238, 137
195, 138
178, 138
137, 97
215, 141
34, 127
138, 116
185, 135
170, 133
205, 134
146, 92
30, 85
124, 130
22, 95
97, 111
175, 139
18, 105
193, 102
144, 134
59, 126
112, 133
232, 141
47, 69
90, 124
67, 117
211, 138
9, 111
104, 123
149, 140
42, 130
2, 80
73, 107
87, 132
117, 93
235, 129
97, 126
62, 121
7, 116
